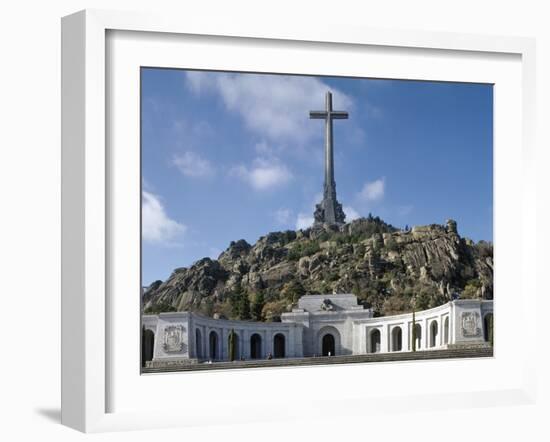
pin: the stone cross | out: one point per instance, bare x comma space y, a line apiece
329, 210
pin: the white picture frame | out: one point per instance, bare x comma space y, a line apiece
87, 206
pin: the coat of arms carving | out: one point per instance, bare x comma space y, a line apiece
173, 339
470, 328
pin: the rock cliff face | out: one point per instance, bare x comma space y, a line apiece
388, 269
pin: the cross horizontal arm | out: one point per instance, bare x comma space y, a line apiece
339, 115
318, 114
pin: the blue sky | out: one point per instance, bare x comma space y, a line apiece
227, 156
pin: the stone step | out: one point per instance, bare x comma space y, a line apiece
463, 352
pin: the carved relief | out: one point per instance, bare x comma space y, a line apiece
173, 339
470, 324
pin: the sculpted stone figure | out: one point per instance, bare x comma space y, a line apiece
327, 305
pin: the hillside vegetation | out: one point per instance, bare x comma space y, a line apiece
390, 270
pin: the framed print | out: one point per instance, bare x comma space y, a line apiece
250, 211
337, 284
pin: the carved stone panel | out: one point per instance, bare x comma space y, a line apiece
173, 339
470, 325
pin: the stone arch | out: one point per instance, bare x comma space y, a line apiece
329, 341
488, 327
375, 341
255, 346
446, 330
198, 344
147, 346
397, 339
279, 346
434, 330
213, 346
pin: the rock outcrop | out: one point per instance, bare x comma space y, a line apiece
390, 270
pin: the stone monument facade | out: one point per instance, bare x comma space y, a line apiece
329, 210
321, 325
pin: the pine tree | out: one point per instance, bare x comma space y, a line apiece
232, 345
240, 304
413, 334
257, 306
209, 307
235, 301
244, 306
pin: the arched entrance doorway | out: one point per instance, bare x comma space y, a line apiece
147, 346
328, 341
255, 346
329, 346
375, 341
397, 339
279, 346
213, 346
433, 333
198, 344
488, 332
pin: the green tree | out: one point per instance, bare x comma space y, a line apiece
422, 300
471, 289
356, 289
303, 248
234, 301
244, 308
293, 290
159, 308
208, 307
257, 306
240, 304
413, 333
232, 345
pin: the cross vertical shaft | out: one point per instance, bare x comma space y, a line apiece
329, 210
329, 146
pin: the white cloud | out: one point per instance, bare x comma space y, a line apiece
304, 221
157, 227
199, 82
373, 191
273, 106
351, 213
264, 174
193, 165
283, 216
263, 148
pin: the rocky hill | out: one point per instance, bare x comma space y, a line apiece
388, 269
